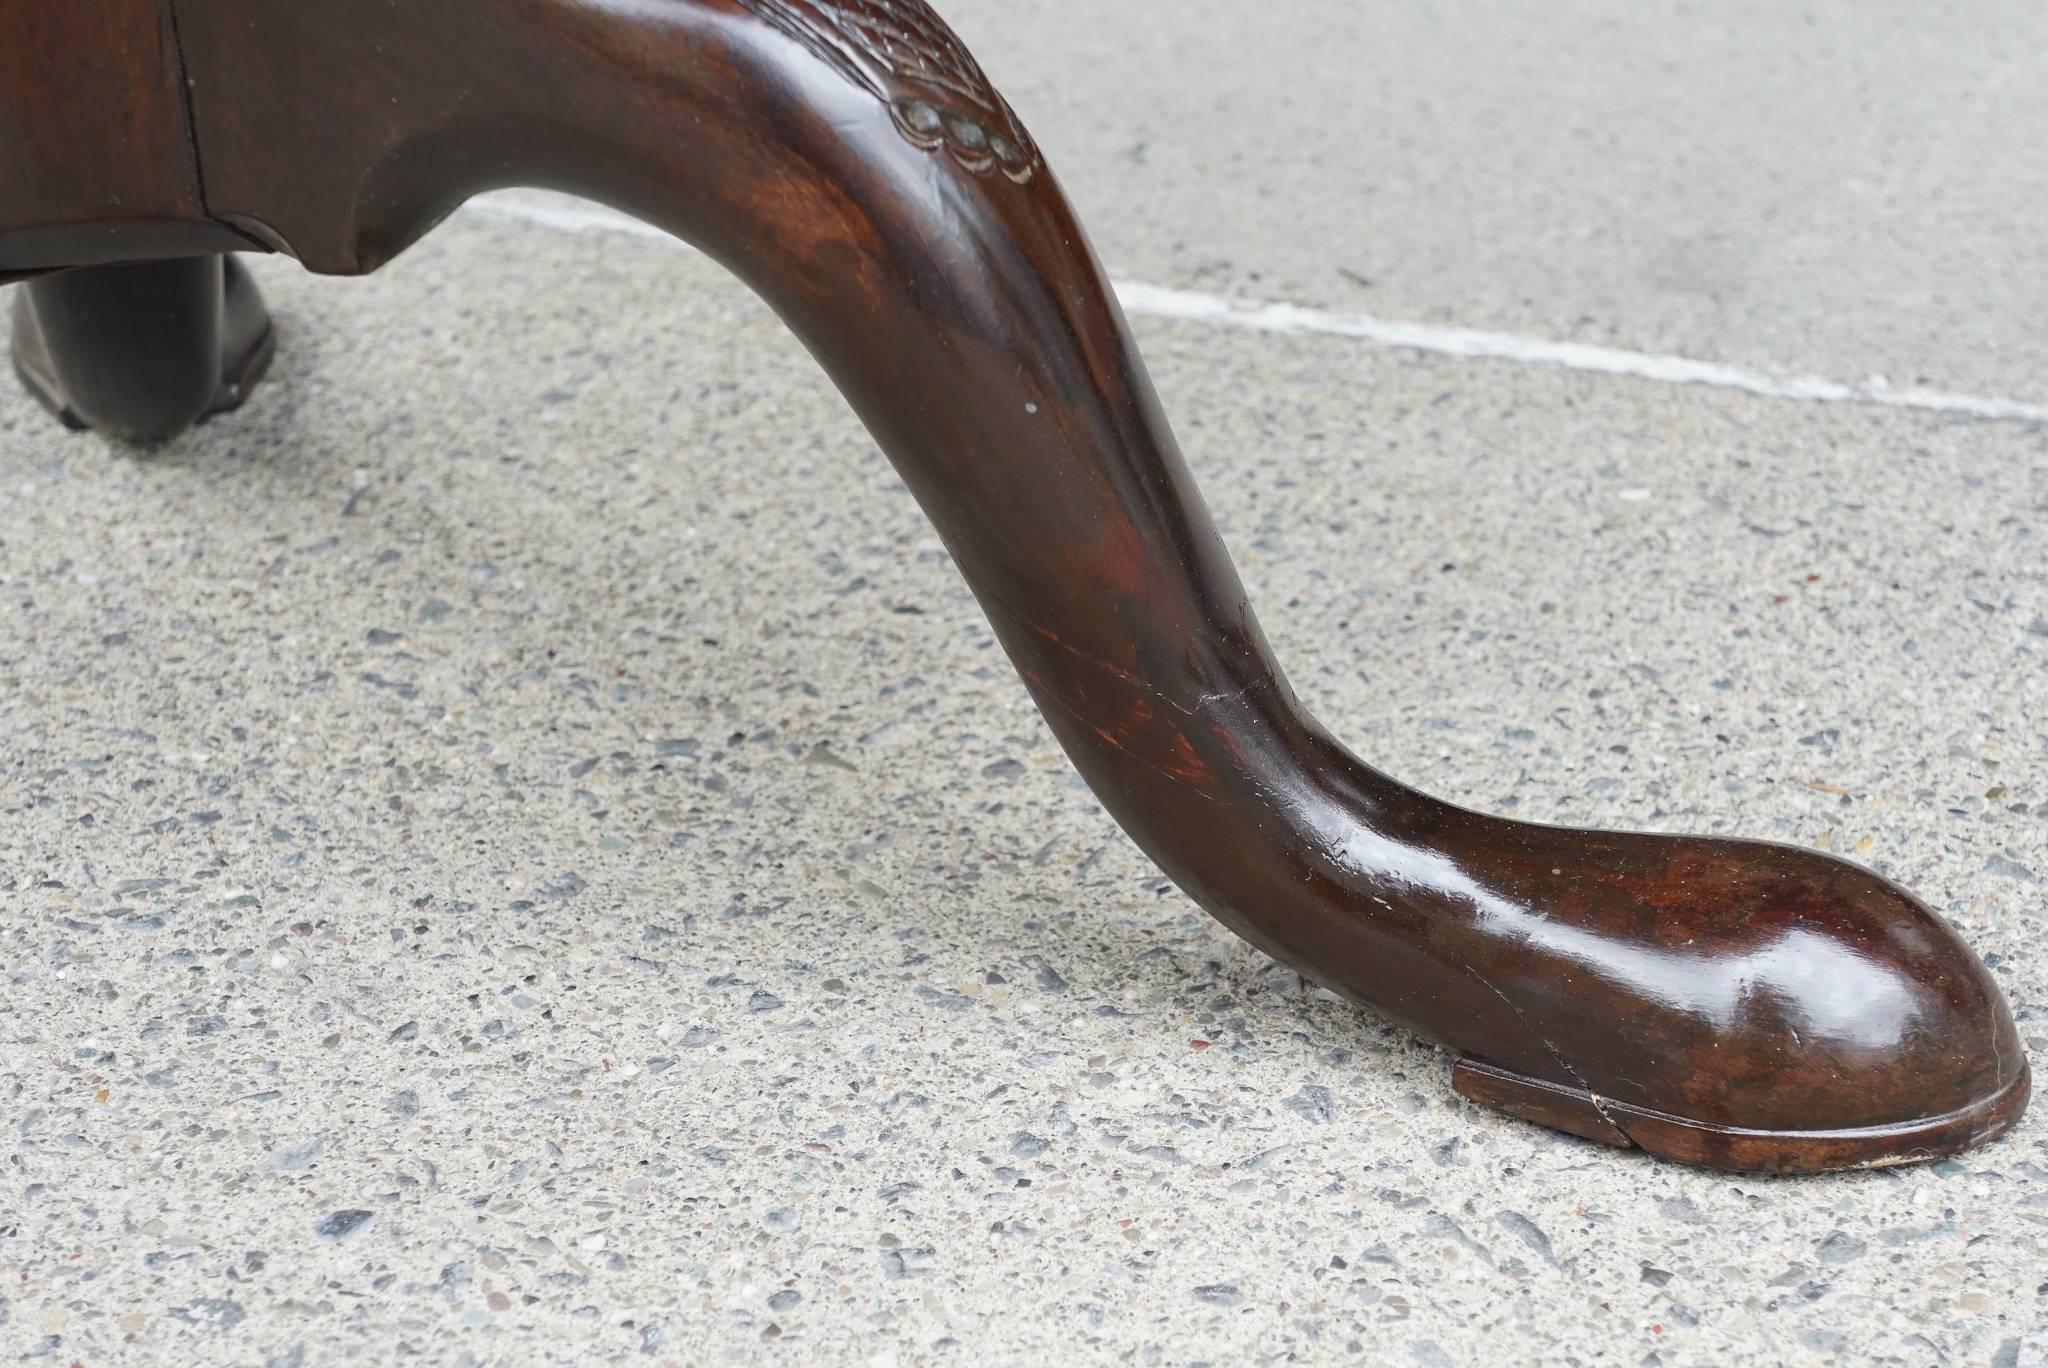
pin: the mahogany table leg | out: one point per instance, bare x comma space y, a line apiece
1731, 1003
142, 352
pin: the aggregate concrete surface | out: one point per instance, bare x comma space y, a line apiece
521, 848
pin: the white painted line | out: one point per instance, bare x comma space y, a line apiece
569, 216
1157, 301
1190, 306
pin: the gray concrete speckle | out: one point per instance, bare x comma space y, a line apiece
520, 848
1833, 187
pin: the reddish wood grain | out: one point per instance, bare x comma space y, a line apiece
96, 157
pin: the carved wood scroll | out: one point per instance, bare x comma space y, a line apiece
906, 57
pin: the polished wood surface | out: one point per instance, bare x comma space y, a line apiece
1729, 1003
96, 155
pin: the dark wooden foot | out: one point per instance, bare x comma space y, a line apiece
142, 352
1720, 1002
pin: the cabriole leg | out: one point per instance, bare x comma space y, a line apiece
1721, 1002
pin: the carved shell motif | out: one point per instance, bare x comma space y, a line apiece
904, 55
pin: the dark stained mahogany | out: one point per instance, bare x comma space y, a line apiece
1728, 1003
143, 350
96, 155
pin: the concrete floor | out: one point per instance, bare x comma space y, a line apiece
522, 849
1844, 187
